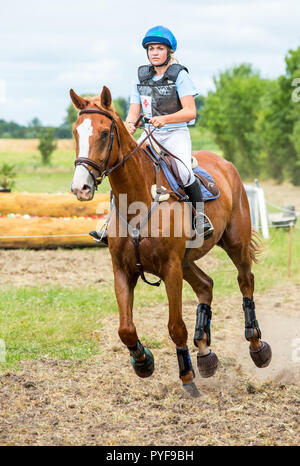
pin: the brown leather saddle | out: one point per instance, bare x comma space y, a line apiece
211, 186
170, 160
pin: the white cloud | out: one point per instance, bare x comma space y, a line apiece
88, 43
88, 74
2, 91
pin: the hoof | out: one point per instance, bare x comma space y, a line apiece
208, 364
144, 368
263, 356
191, 389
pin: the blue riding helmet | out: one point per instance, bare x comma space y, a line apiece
160, 34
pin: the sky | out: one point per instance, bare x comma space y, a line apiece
46, 48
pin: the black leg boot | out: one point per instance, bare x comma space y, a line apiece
201, 222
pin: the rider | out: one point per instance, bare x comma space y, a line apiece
165, 92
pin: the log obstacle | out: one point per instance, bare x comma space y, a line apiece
49, 220
52, 205
39, 232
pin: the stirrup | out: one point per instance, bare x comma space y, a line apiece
101, 236
206, 229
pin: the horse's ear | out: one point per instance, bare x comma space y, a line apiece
79, 102
105, 97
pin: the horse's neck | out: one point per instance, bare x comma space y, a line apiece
135, 177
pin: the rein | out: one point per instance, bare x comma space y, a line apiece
86, 162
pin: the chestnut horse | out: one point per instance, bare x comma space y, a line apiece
104, 147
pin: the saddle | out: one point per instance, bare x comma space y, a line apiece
169, 167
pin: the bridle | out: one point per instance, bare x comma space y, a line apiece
103, 167
103, 170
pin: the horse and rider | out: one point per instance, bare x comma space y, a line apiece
165, 93
105, 146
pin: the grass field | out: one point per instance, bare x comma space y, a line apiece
59, 321
33, 177
66, 378
29, 315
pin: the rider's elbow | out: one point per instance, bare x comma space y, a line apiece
193, 114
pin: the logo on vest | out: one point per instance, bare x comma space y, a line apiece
146, 104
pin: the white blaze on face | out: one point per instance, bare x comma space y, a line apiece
85, 130
81, 176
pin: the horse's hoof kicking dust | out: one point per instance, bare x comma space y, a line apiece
263, 356
208, 364
191, 389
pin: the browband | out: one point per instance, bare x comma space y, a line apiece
95, 110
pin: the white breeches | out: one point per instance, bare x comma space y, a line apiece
178, 142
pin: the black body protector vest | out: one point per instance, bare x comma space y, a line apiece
159, 97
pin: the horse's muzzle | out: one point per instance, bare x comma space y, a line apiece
83, 194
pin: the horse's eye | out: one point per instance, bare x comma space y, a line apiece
104, 135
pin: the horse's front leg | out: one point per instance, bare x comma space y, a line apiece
141, 358
202, 284
173, 281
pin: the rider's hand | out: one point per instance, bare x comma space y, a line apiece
158, 121
130, 127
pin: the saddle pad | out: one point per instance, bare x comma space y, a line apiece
207, 196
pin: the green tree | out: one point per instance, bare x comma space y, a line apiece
278, 125
47, 144
7, 176
71, 116
199, 101
122, 106
230, 112
72, 113
34, 128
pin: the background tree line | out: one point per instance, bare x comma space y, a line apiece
11, 130
254, 121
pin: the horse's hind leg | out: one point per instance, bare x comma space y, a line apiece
202, 285
141, 358
241, 249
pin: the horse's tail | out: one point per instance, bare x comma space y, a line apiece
256, 246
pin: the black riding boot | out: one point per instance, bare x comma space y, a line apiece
201, 222
100, 237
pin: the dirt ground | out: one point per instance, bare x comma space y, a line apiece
102, 402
